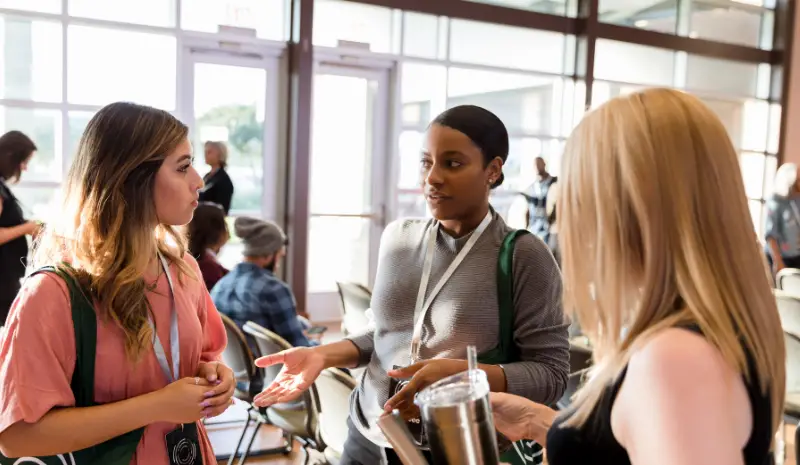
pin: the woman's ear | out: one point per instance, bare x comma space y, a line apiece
494, 169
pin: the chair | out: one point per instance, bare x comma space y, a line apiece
298, 419
580, 360
333, 389
249, 382
789, 310
355, 303
788, 279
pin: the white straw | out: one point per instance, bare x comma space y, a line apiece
472, 359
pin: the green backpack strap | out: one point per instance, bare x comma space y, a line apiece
118, 450
505, 293
507, 349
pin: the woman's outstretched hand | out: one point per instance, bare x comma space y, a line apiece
301, 367
518, 418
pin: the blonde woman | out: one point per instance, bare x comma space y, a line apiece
158, 335
698, 377
783, 220
219, 187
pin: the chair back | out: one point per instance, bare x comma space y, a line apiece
789, 310
238, 357
332, 391
355, 303
268, 343
580, 360
792, 372
788, 279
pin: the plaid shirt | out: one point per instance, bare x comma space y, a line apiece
251, 293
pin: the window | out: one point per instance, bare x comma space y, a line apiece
31, 51
229, 106
135, 66
423, 90
556, 7
149, 12
654, 15
44, 127
509, 47
635, 64
267, 17
41, 6
722, 76
421, 35
38, 203
737, 22
525, 103
336, 20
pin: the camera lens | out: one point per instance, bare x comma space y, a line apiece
184, 452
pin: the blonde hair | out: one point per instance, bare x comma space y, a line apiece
653, 217
785, 180
221, 149
106, 229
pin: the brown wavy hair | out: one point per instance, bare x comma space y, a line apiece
108, 230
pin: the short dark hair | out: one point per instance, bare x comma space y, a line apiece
206, 228
484, 129
15, 148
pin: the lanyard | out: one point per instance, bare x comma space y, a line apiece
422, 306
175, 346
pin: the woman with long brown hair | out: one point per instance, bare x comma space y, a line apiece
661, 269
158, 335
16, 150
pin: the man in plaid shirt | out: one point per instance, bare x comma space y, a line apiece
251, 292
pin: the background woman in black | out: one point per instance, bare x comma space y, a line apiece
219, 188
16, 150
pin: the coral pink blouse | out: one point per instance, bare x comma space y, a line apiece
37, 354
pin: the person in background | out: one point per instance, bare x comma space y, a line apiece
537, 218
159, 337
782, 229
16, 150
251, 291
437, 284
218, 185
698, 375
207, 233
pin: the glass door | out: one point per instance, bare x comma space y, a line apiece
349, 165
233, 99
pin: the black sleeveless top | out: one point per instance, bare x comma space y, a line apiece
594, 442
14, 253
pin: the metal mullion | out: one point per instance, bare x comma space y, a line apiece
481, 67
64, 89
483, 12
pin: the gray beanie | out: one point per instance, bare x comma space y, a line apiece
260, 237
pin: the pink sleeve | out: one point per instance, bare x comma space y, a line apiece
214, 336
37, 352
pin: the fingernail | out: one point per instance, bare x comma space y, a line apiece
212, 378
218, 382
206, 412
206, 404
209, 394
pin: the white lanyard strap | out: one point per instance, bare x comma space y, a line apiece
422, 306
175, 346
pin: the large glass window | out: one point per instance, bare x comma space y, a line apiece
30, 59
553, 7
508, 47
336, 20
135, 66
44, 127
149, 12
267, 17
